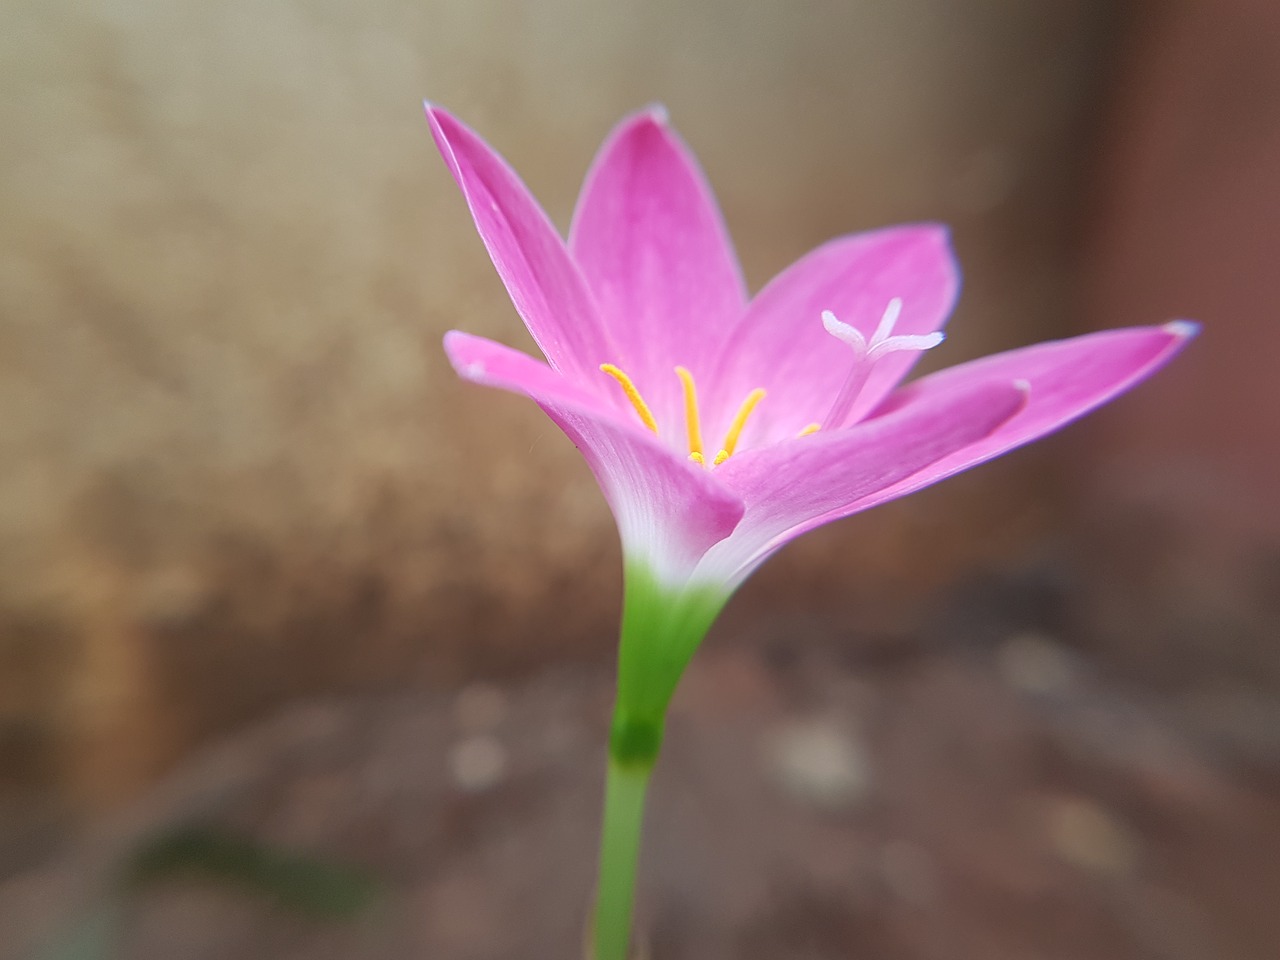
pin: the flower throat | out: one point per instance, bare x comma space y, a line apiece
866, 353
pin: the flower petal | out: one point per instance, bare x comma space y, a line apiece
669, 511
1066, 379
782, 345
788, 487
652, 246
532, 260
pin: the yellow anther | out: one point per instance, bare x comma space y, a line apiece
739, 421
811, 428
691, 414
693, 420
629, 388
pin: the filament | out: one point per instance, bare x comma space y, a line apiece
691, 418
629, 388
739, 421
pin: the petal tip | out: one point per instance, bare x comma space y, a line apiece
449, 132
440, 120
931, 231
1183, 329
455, 348
940, 230
658, 114
434, 112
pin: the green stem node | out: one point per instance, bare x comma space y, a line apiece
634, 741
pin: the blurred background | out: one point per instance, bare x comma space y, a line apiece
305, 646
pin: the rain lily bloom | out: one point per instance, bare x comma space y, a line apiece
722, 426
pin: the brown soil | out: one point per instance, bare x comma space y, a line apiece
1006, 804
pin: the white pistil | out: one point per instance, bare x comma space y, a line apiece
884, 329
866, 353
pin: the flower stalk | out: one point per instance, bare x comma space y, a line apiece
624, 795
662, 626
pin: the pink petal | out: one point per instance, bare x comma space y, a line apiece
790, 486
781, 344
543, 281
493, 364
669, 512
652, 246
1066, 379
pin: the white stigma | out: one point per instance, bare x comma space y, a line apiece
890, 316
845, 333
867, 352
882, 341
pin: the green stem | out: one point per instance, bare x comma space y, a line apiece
624, 791
662, 624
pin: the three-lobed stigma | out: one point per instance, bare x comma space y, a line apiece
865, 354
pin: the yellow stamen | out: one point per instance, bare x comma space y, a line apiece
811, 428
739, 421
691, 414
629, 388
693, 420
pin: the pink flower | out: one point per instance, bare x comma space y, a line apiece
721, 426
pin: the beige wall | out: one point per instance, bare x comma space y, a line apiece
235, 464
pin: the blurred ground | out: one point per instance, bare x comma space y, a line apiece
988, 793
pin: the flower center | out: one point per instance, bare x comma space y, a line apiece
692, 418
866, 354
